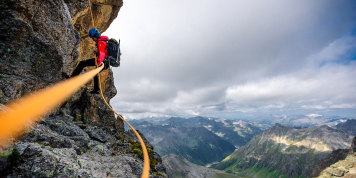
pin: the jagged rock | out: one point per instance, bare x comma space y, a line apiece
353, 146
334, 157
156, 164
343, 168
57, 147
97, 134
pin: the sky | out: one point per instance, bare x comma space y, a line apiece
235, 59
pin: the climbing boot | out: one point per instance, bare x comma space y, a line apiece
95, 91
64, 75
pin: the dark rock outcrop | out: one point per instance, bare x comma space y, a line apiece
335, 156
40, 40
353, 146
62, 147
344, 168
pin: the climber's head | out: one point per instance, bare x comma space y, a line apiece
94, 34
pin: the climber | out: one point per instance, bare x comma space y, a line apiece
101, 53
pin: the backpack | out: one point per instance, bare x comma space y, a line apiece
114, 53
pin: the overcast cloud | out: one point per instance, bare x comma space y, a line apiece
234, 58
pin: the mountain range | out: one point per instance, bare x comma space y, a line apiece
309, 120
285, 151
237, 132
197, 144
349, 126
200, 140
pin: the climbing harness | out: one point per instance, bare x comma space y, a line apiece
146, 160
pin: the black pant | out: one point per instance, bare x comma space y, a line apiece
81, 65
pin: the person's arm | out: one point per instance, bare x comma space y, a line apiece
101, 49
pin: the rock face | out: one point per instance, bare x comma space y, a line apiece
335, 156
179, 167
287, 151
60, 147
343, 168
353, 146
40, 40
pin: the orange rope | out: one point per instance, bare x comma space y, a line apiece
23, 113
91, 14
146, 167
146, 159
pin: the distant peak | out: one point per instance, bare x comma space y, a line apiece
279, 125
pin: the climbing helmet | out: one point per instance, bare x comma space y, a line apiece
94, 33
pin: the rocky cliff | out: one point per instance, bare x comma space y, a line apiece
346, 167
288, 151
335, 156
40, 40
338, 155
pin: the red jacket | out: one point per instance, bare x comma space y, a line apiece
102, 52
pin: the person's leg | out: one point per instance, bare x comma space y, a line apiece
96, 88
96, 84
91, 62
81, 65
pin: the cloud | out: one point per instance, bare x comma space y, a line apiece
336, 51
328, 84
212, 57
146, 90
